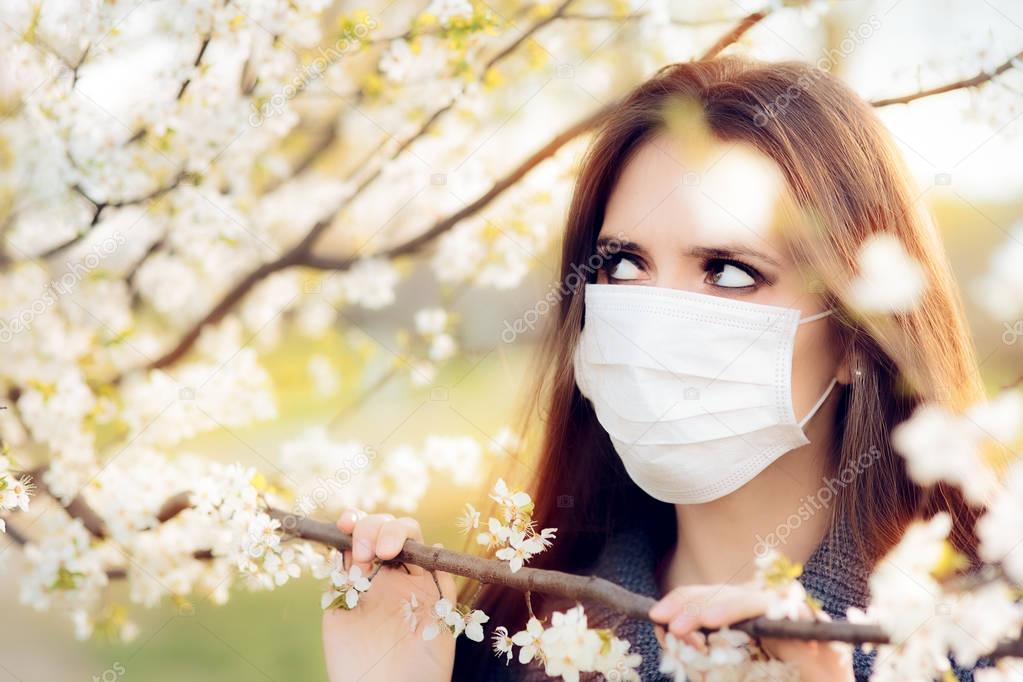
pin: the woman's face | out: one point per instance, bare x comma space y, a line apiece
712, 222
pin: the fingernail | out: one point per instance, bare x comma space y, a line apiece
347, 517
660, 610
362, 551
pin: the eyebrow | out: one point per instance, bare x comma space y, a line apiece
731, 252
726, 252
614, 245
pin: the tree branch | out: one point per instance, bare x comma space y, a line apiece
979, 79
15, 534
735, 34
77, 508
572, 587
302, 251
498, 188
675, 21
303, 254
195, 64
527, 580
101, 206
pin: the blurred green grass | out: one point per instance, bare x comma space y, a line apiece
255, 636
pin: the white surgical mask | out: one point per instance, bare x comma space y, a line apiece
694, 390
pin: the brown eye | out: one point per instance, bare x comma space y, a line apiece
729, 275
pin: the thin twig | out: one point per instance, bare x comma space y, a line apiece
675, 21
302, 253
436, 581
76, 508
195, 64
476, 594
735, 34
979, 79
440, 227
100, 206
15, 534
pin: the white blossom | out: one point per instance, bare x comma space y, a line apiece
1001, 527
447, 10
370, 283
942, 446
410, 612
889, 280
502, 643
345, 585
529, 641
569, 646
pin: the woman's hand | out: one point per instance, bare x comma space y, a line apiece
686, 609
374, 641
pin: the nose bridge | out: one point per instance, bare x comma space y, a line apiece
671, 272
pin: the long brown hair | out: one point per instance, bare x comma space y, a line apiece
840, 166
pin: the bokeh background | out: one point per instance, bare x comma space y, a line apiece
363, 378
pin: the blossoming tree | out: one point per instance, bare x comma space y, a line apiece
278, 165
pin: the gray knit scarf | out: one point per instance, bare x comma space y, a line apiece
836, 575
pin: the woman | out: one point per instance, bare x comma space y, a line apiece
712, 378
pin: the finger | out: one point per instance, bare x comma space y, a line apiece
811, 658
696, 640
392, 536
734, 607
689, 608
782, 649
693, 639
364, 536
346, 521
676, 601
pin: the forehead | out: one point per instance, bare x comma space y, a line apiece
711, 193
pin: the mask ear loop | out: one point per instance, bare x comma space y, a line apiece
834, 380
817, 316
820, 401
